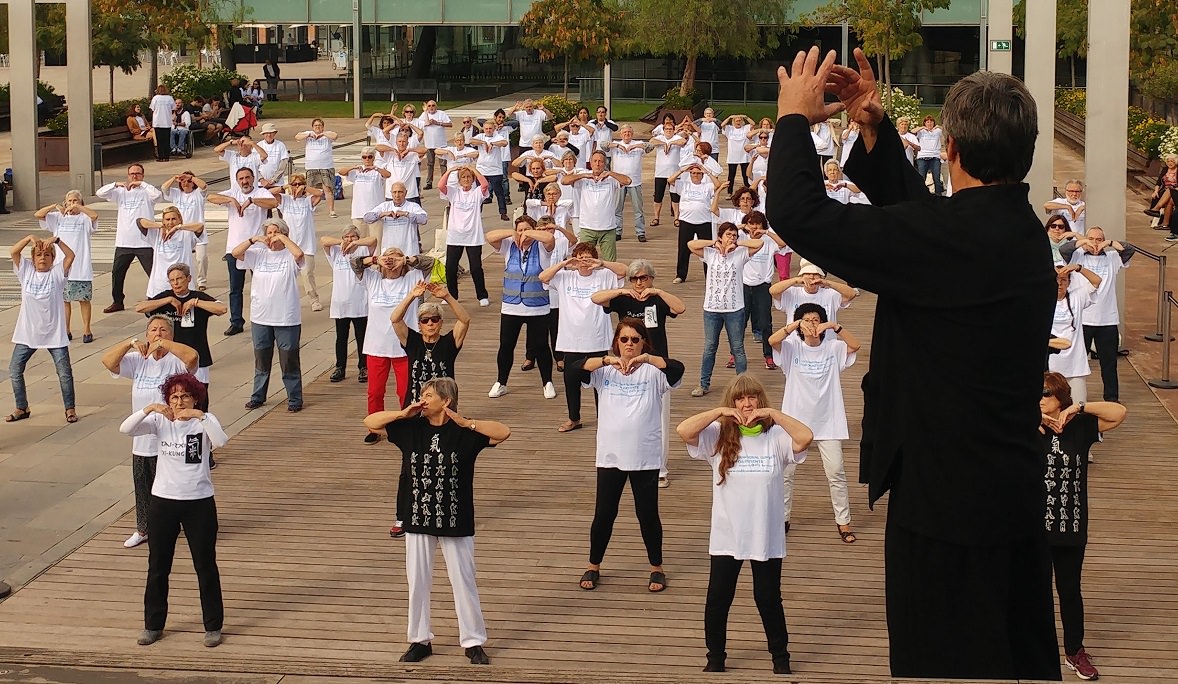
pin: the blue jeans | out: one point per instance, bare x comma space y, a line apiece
179, 138
635, 195
61, 361
933, 164
758, 307
498, 188
733, 323
236, 288
287, 338
506, 166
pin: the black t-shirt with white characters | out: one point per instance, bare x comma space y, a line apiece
652, 311
1066, 479
428, 360
435, 493
192, 330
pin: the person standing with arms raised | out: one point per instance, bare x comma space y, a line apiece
135, 200
247, 205
967, 567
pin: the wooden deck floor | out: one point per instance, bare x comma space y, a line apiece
314, 586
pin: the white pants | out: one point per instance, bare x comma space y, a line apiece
201, 261
666, 432
308, 274
419, 566
831, 451
1079, 388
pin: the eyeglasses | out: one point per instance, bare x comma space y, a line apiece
430, 319
298, 185
625, 339
409, 111
368, 156
639, 278
1048, 393
1060, 226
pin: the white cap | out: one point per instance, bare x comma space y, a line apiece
269, 128
809, 267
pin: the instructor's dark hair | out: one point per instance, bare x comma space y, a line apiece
992, 118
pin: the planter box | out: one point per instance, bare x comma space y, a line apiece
1070, 128
53, 153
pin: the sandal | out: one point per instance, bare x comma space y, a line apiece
848, 535
528, 365
592, 577
71, 416
14, 416
676, 223
659, 578
560, 366
569, 426
654, 223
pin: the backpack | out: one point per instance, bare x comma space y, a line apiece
339, 187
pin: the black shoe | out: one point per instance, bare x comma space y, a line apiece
113, 308
1153, 212
477, 656
251, 404
642, 238
363, 375
715, 662
429, 186
371, 438
233, 330
337, 375
417, 652
781, 666
5, 211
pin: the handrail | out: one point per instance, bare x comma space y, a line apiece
1165, 382
1159, 335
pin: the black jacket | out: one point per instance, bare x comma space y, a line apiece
966, 295
271, 71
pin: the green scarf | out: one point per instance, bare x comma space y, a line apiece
753, 431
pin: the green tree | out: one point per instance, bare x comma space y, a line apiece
691, 29
888, 29
584, 30
117, 38
1071, 29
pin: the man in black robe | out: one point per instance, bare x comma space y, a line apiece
951, 396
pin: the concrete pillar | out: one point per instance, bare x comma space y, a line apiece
1001, 27
1108, 97
357, 53
81, 93
607, 92
1040, 78
22, 50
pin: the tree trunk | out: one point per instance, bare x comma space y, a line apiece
111, 72
566, 77
688, 75
1072, 63
153, 74
423, 53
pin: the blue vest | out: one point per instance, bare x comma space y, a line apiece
521, 277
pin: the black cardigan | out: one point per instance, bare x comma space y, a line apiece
966, 295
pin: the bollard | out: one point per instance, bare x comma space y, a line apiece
1162, 303
1165, 382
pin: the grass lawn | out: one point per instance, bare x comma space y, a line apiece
335, 109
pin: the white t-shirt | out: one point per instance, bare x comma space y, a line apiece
666, 163
908, 152
349, 298
146, 376
434, 134
318, 153
724, 290
759, 165
1103, 310
459, 156
929, 141
384, 295
1077, 225
599, 201
162, 107
583, 141
710, 166
530, 124
400, 232
274, 292
522, 309
584, 326
629, 413
826, 297
709, 132
626, 159
274, 168
74, 230
402, 169
465, 223
133, 205
838, 191
41, 321
737, 138
1068, 323
550, 159
167, 253
490, 161
538, 210
236, 162
570, 193
242, 228
602, 133
848, 144
367, 190
761, 267
182, 467
192, 209
695, 199
298, 214
748, 510
813, 391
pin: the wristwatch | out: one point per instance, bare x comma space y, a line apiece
472, 425
838, 329
1081, 407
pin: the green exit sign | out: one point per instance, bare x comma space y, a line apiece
1000, 46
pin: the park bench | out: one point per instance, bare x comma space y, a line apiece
410, 89
118, 142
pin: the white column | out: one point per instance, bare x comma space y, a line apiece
357, 43
1001, 20
1040, 78
1108, 95
80, 88
22, 50
607, 94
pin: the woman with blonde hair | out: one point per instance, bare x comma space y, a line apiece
748, 444
74, 223
296, 202
173, 243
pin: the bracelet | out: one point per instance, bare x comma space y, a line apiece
472, 425
838, 330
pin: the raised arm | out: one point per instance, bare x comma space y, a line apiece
68, 259
549, 273
780, 286
845, 291
495, 237
397, 317
461, 315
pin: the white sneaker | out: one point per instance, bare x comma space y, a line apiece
497, 390
549, 391
664, 482
134, 540
316, 305
484, 302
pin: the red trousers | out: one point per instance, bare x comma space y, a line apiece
378, 380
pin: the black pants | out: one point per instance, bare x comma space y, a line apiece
1068, 562
163, 143
572, 381
732, 175
199, 520
945, 600
536, 344
687, 233
122, 261
474, 263
1107, 338
360, 325
724, 572
553, 331
644, 485
758, 307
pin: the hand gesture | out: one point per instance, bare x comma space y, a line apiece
188, 413
161, 409
456, 417
415, 408
759, 414
436, 289
809, 329
856, 91
187, 307
418, 290
141, 347
630, 365
802, 88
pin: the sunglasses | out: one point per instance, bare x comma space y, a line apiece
624, 339
298, 185
1048, 393
430, 319
368, 156
1056, 225
409, 111
639, 278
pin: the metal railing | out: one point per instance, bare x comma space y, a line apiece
1165, 382
1159, 335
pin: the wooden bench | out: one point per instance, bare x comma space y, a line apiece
118, 141
408, 89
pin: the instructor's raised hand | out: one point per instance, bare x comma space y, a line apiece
803, 88
857, 91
